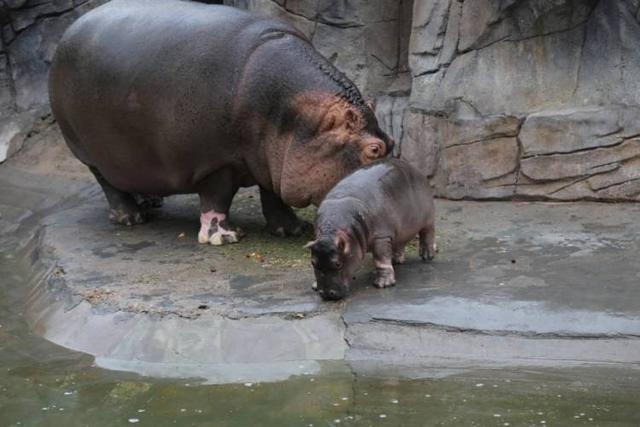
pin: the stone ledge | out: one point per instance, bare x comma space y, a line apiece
587, 153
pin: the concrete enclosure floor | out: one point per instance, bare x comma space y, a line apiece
514, 284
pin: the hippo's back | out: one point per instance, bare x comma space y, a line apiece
392, 194
144, 90
380, 181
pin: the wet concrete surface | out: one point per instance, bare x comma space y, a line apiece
514, 284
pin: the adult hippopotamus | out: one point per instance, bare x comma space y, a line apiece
162, 97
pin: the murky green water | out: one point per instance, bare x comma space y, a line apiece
42, 384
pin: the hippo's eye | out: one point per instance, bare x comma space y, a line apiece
374, 151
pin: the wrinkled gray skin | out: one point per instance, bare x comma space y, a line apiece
162, 97
378, 209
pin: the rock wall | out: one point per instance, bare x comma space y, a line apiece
30, 30
505, 99
492, 99
526, 99
366, 39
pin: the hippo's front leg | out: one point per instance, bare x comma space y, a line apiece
383, 257
216, 193
281, 220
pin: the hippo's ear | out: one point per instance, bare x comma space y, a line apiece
340, 116
371, 103
310, 244
342, 242
352, 120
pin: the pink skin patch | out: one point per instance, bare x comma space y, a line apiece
212, 229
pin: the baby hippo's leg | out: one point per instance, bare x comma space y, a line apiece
383, 257
428, 242
216, 193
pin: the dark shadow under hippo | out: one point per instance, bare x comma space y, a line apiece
161, 97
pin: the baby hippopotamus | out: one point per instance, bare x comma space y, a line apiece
379, 209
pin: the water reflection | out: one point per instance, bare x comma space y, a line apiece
42, 384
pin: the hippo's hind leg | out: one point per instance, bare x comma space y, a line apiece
383, 258
124, 209
427, 238
148, 201
216, 192
281, 220
398, 255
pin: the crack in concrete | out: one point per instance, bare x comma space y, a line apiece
39, 18
299, 15
501, 333
617, 184
388, 67
574, 182
582, 46
484, 139
518, 170
579, 150
346, 328
546, 34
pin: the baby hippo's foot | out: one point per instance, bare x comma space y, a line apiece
127, 216
292, 226
385, 277
215, 229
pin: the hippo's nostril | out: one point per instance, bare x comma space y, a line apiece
333, 293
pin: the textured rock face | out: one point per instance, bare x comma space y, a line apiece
30, 30
504, 98
490, 98
563, 74
368, 40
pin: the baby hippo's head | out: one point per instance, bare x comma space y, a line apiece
334, 259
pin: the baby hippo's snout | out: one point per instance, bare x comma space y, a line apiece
330, 287
332, 265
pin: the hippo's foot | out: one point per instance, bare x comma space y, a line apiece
147, 201
126, 217
215, 229
428, 251
281, 219
384, 281
292, 227
385, 277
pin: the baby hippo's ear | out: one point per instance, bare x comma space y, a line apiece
342, 242
310, 244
